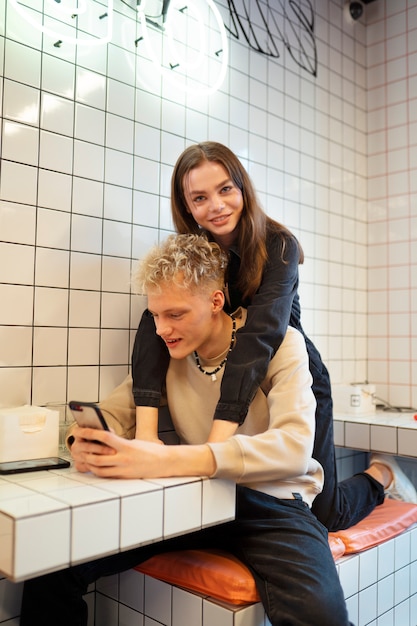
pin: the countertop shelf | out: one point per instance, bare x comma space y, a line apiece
56, 518
382, 431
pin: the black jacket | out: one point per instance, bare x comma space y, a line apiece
274, 307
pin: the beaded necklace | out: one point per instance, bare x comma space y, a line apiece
219, 367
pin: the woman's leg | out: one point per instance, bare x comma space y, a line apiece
339, 505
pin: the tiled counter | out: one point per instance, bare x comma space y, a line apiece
383, 431
52, 519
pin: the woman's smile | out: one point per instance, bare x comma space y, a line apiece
221, 220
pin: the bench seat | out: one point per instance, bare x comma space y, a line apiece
222, 576
218, 590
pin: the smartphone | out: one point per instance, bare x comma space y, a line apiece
88, 415
33, 465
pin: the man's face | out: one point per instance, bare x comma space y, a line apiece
183, 319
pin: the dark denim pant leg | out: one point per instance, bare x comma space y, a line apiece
287, 550
340, 505
57, 599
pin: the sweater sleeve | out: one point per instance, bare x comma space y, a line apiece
268, 316
283, 451
150, 359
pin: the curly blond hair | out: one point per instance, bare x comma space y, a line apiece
189, 261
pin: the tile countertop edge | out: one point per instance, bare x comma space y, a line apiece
29, 510
381, 432
400, 419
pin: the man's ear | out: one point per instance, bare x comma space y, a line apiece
217, 299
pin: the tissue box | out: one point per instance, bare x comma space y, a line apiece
28, 432
355, 399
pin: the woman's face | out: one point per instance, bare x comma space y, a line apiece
214, 201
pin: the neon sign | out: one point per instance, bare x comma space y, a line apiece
194, 51
89, 23
188, 47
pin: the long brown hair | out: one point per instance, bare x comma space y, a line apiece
254, 223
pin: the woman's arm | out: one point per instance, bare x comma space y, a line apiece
284, 450
147, 418
150, 359
222, 430
267, 321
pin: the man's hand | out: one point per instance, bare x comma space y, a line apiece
105, 454
80, 445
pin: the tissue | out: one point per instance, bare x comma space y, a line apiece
28, 432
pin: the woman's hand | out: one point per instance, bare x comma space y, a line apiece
222, 430
147, 424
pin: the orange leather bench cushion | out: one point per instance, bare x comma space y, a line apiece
211, 572
222, 576
337, 547
385, 522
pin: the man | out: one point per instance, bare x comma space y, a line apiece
269, 457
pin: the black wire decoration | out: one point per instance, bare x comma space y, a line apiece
296, 31
151, 19
264, 24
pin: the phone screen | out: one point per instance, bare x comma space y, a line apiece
88, 415
32, 465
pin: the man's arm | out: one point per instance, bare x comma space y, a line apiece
121, 458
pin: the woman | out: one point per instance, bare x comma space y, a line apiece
211, 192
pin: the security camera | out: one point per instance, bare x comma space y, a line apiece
355, 10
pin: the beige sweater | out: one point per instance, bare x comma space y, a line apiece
271, 451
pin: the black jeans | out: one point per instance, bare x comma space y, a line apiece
281, 541
339, 505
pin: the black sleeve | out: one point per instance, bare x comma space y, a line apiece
268, 316
150, 360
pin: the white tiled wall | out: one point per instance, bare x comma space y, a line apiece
88, 145
88, 140
392, 189
89, 136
